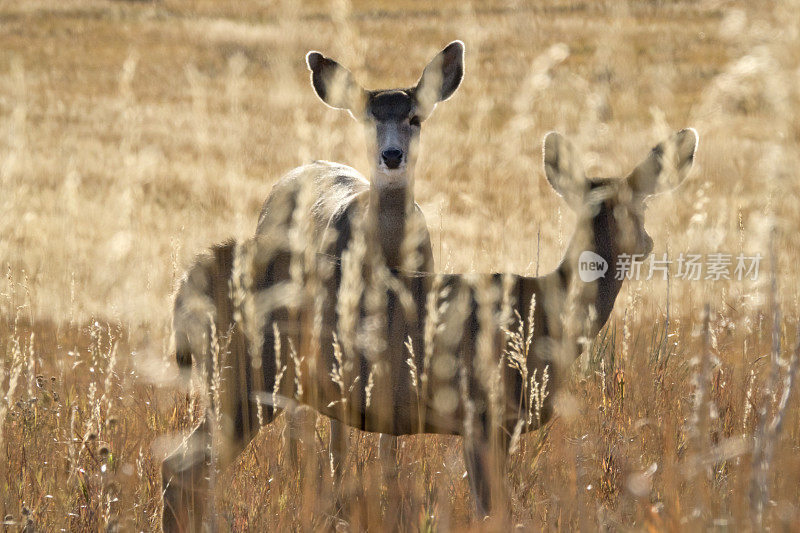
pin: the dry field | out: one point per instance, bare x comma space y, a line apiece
135, 134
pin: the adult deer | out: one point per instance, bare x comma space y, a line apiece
476, 385
332, 202
511, 391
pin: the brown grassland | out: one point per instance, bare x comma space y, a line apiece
133, 135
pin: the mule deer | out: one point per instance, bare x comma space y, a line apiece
335, 202
478, 384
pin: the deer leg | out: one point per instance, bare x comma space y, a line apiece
184, 476
500, 496
187, 473
476, 461
387, 452
486, 470
290, 438
338, 447
299, 431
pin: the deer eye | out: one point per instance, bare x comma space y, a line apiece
414, 121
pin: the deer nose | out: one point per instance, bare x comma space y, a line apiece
392, 157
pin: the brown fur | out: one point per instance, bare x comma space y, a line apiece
565, 310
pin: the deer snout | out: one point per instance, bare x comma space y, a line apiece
392, 158
183, 349
183, 356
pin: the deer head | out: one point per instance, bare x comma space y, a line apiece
391, 118
614, 208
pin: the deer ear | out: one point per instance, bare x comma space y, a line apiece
441, 78
334, 84
667, 165
563, 169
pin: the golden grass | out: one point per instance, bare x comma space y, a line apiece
135, 134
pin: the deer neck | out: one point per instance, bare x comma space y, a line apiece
595, 235
390, 202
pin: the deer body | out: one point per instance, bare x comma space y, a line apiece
547, 296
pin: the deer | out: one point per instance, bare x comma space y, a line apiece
476, 387
563, 310
336, 201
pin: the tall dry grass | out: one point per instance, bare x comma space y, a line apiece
133, 135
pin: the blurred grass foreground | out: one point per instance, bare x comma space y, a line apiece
134, 135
